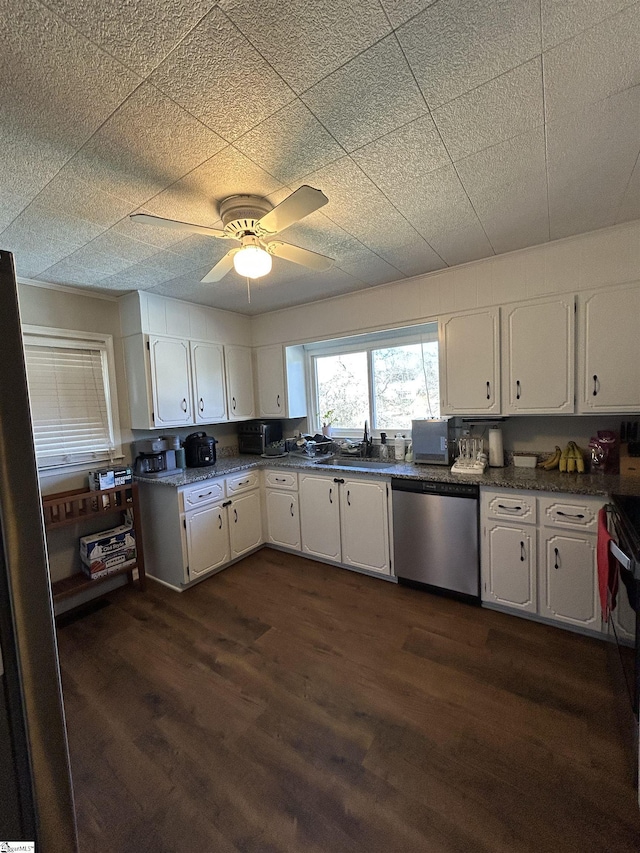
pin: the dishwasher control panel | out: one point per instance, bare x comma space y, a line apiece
434, 487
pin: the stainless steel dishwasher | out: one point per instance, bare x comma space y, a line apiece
435, 536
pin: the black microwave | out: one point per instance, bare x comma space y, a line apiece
256, 436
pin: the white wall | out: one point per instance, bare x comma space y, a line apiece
609, 256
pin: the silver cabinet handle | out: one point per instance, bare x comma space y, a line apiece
201, 405
291, 509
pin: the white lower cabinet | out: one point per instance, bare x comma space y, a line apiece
207, 540
346, 520
283, 518
547, 566
245, 523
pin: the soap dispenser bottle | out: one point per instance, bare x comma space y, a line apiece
384, 447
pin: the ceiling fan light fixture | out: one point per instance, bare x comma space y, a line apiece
252, 262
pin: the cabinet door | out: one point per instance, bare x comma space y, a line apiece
239, 374
283, 518
271, 382
207, 540
364, 525
170, 381
509, 566
470, 363
568, 579
245, 523
320, 516
538, 341
207, 365
609, 367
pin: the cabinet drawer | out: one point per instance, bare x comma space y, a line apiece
203, 493
509, 505
570, 512
242, 482
281, 480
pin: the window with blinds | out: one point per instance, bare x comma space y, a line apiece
70, 397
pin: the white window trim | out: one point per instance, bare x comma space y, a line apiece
48, 336
361, 343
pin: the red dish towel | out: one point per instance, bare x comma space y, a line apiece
607, 568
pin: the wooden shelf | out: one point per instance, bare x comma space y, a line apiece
66, 508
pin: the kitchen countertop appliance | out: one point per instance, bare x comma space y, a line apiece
155, 457
200, 450
256, 436
433, 441
435, 534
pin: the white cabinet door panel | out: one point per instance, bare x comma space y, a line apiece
207, 363
170, 381
207, 540
320, 516
245, 523
568, 579
509, 566
538, 350
470, 363
239, 375
283, 518
271, 382
364, 524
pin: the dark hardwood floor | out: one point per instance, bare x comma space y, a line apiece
284, 705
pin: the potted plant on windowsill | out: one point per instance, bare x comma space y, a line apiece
326, 423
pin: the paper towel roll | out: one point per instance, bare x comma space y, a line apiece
496, 450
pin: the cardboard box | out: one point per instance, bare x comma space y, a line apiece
108, 551
109, 478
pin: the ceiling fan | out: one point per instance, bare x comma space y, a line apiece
252, 222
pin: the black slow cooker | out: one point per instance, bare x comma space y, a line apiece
199, 450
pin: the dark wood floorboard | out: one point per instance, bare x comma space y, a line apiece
284, 705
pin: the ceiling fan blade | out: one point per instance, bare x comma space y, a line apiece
299, 204
299, 256
223, 266
148, 219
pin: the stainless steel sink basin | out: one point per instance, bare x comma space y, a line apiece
354, 462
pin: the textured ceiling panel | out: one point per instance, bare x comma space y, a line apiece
163, 238
82, 199
507, 185
591, 156
399, 11
140, 33
595, 64
371, 95
41, 225
498, 110
11, 205
456, 45
158, 268
562, 20
70, 273
218, 76
630, 206
290, 144
306, 41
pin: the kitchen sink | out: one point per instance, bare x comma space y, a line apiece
351, 462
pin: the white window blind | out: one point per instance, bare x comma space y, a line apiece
70, 401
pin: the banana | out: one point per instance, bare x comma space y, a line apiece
564, 459
553, 461
571, 462
579, 457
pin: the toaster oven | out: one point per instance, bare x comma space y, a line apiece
255, 436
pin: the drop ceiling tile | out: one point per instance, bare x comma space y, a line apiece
161, 267
56, 89
414, 258
369, 96
146, 145
219, 77
74, 197
68, 272
399, 11
415, 148
562, 20
372, 270
30, 264
195, 198
598, 63
320, 234
507, 185
290, 143
498, 110
11, 205
319, 37
141, 33
630, 207
111, 243
456, 45
45, 232
591, 156
202, 251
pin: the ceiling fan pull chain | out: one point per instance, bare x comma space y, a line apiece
249, 290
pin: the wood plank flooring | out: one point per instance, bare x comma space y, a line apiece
284, 705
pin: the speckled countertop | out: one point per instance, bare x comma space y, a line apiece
509, 478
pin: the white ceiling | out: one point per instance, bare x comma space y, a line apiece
441, 132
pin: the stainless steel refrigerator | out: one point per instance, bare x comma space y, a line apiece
36, 797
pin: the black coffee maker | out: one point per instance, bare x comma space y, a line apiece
200, 450
155, 458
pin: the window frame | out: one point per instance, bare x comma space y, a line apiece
366, 342
75, 339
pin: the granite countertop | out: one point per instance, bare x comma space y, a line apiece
509, 477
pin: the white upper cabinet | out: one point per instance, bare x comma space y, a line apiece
470, 363
538, 344
170, 381
609, 350
281, 382
207, 365
239, 374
